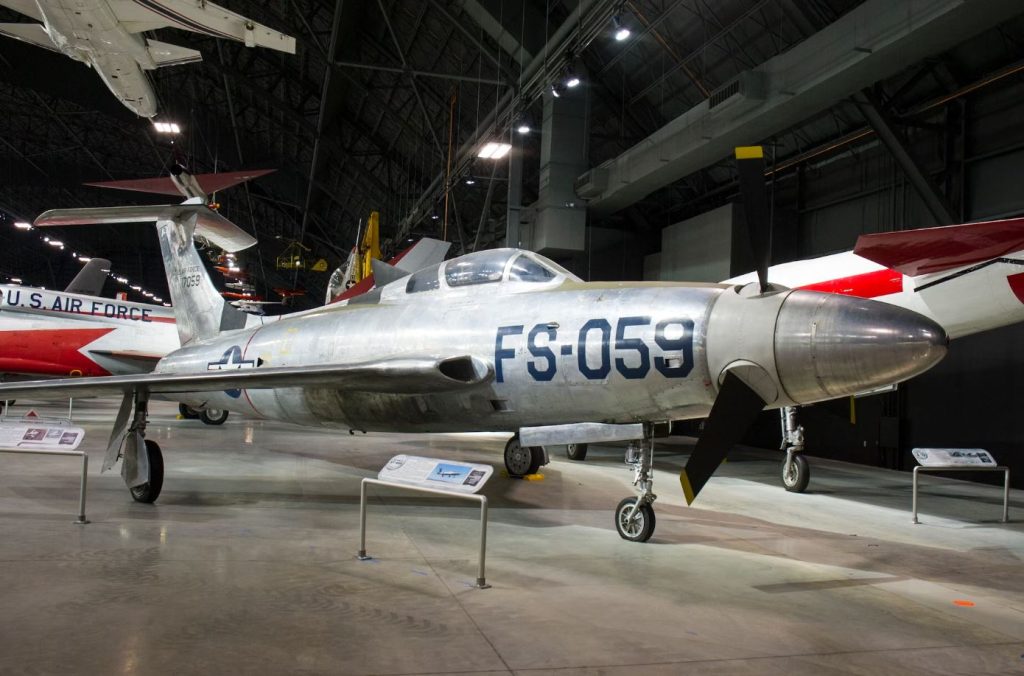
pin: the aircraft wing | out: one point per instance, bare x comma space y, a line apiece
393, 376
928, 250
32, 33
163, 185
199, 17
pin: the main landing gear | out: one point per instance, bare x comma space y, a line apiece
796, 472
142, 463
634, 517
522, 460
209, 416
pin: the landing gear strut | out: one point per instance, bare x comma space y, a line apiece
634, 517
212, 416
796, 473
142, 463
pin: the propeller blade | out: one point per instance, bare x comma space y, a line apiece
733, 413
750, 163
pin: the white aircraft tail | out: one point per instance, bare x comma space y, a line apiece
200, 310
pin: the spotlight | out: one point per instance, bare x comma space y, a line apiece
22, 225
523, 128
621, 31
84, 259
55, 242
136, 288
557, 89
167, 127
572, 80
470, 180
494, 150
15, 280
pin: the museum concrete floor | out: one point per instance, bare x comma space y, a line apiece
246, 565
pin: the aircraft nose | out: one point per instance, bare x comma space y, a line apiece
828, 346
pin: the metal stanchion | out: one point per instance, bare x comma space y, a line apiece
481, 579
85, 474
961, 468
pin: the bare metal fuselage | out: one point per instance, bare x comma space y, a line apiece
537, 382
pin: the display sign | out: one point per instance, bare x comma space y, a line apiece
444, 475
38, 435
954, 457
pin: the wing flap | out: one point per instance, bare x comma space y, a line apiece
395, 376
166, 54
929, 250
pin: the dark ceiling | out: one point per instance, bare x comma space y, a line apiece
409, 84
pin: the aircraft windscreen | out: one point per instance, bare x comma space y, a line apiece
424, 280
525, 269
482, 267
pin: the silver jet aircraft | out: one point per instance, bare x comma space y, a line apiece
506, 340
106, 36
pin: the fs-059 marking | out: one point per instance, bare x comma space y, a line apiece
629, 353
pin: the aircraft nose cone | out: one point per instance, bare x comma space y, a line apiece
829, 346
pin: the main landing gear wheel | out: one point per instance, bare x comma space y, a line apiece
577, 452
796, 473
150, 491
187, 412
522, 460
635, 525
213, 416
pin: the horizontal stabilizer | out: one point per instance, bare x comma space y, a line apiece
165, 54
395, 376
928, 250
210, 183
32, 33
209, 224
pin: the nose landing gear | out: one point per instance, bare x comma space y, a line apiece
634, 517
796, 472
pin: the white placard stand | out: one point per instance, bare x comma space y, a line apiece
436, 477
959, 460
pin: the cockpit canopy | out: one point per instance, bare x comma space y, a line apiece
487, 267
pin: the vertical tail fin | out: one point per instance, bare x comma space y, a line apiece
200, 310
90, 279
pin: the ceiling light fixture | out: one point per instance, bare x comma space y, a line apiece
22, 225
621, 31
494, 150
167, 127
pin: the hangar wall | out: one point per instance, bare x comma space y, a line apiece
975, 151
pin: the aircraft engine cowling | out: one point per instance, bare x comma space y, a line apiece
800, 347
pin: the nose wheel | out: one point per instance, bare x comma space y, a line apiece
634, 517
796, 471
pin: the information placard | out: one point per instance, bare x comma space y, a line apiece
954, 457
443, 475
39, 436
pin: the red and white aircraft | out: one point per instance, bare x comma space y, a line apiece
969, 278
56, 333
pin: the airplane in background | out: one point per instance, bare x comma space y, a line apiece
968, 278
106, 35
508, 340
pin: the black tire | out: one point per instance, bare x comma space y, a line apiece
642, 526
213, 417
148, 492
577, 452
522, 460
796, 480
187, 412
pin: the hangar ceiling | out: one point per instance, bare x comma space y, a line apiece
385, 101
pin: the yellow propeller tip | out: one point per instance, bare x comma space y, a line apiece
684, 481
749, 152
